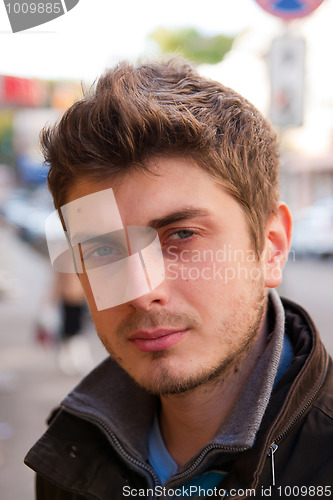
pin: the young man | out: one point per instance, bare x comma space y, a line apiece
166, 184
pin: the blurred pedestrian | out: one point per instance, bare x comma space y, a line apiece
74, 352
61, 324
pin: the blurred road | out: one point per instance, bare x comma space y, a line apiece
309, 282
30, 381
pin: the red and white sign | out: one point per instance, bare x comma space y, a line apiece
22, 92
289, 9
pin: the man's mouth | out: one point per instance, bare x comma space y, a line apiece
156, 340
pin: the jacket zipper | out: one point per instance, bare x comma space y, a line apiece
270, 453
274, 446
202, 455
115, 442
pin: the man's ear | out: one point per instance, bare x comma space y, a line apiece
277, 244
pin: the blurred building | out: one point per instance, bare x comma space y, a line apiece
26, 106
307, 140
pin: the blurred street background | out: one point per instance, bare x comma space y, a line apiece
283, 67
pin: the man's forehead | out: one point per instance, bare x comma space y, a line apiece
92, 214
179, 190
85, 186
157, 174
84, 202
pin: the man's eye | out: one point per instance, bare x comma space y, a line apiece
101, 255
182, 234
104, 251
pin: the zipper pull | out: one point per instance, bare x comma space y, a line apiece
271, 452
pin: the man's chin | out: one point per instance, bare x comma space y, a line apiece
162, 382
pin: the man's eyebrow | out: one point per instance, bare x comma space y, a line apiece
111, 237
178, 215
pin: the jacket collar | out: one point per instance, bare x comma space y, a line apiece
109, 396
293, 396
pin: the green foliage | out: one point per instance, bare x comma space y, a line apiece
6, 137
191, 44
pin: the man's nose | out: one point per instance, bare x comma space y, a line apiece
155, 291
145, 281
156, 297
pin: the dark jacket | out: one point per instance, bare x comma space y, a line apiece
81, 457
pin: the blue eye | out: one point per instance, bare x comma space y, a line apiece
104, 251
95, 255
181, 234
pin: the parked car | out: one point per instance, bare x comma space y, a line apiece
26, 210
313, 230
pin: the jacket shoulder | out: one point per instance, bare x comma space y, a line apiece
74, 461
324, 402
46, 490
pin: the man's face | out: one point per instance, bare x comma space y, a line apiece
203, 318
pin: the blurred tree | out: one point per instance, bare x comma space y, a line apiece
191, 44
6, 137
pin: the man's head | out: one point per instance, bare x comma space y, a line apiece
137, 113
198, 164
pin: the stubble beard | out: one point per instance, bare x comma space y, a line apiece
162, 380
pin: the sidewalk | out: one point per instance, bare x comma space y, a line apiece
30, 381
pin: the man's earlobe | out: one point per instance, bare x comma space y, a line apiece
278, 237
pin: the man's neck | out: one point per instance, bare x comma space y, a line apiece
190, 420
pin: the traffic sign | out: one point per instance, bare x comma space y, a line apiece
287, 61
289, 9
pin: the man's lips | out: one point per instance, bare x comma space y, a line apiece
156, 340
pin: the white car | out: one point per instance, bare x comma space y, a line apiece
313, 229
